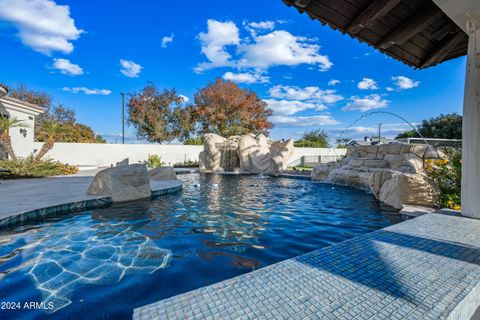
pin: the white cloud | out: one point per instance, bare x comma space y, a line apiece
302, 121
66, 67
130, 69
42, 25
333, 82
185, 98
281, 48
389, 89
405, 83
259, 52
103, 92
367, 84
366, 103
306, 93
291, 107
214, 43
262, 26
246, 77
166, 40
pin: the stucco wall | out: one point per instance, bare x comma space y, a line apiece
91, 154
22, 144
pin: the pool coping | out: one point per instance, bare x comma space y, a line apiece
35, 215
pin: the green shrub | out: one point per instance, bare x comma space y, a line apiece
186, 164
309, 144
195, 141
154, 161
447, 174
31, 168
313, 139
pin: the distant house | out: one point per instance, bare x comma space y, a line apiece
370, 141
22, 138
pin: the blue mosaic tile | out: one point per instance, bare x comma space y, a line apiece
53, 212
422, 268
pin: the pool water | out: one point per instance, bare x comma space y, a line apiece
102, 264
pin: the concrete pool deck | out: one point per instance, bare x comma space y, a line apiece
423, 268
23, 196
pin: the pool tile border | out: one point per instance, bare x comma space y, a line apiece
36, 215
294, 176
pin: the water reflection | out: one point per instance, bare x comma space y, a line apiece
78, 251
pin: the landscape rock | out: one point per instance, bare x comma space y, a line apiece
396, 174
209, 158
246, 154
322, 172
122, 183
397, 189
124, 162
162, 173
352, 178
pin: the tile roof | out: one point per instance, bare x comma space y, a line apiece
24, 103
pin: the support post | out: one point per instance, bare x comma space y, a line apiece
471, 125
123, 117
379, 133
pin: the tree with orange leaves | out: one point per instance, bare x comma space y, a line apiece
225, 109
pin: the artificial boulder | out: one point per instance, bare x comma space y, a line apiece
124, 162
394, 173
162, 173
122, 183
398, 189
322, 172
209, 158
245, 154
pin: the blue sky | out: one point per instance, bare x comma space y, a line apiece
85, 53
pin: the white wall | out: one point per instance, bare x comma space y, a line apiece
93, 154
300, 152
22, 144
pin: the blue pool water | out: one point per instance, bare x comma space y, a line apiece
102, 264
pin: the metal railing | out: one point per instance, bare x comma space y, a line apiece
433, 141
312, 161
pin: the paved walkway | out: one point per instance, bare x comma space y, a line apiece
424, 268
18, 196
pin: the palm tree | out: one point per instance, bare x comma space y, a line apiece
5, 124
51, 130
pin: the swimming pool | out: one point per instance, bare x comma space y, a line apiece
106, 262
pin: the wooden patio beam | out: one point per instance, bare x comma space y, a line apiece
302, 3
375, 11
442, 50
416, 24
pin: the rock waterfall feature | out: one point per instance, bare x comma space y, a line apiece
244, 154
394, 173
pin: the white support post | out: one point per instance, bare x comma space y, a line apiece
471, 123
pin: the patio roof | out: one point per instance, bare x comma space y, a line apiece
415, 32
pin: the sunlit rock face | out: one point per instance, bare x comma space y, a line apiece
394, 173
245, 154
